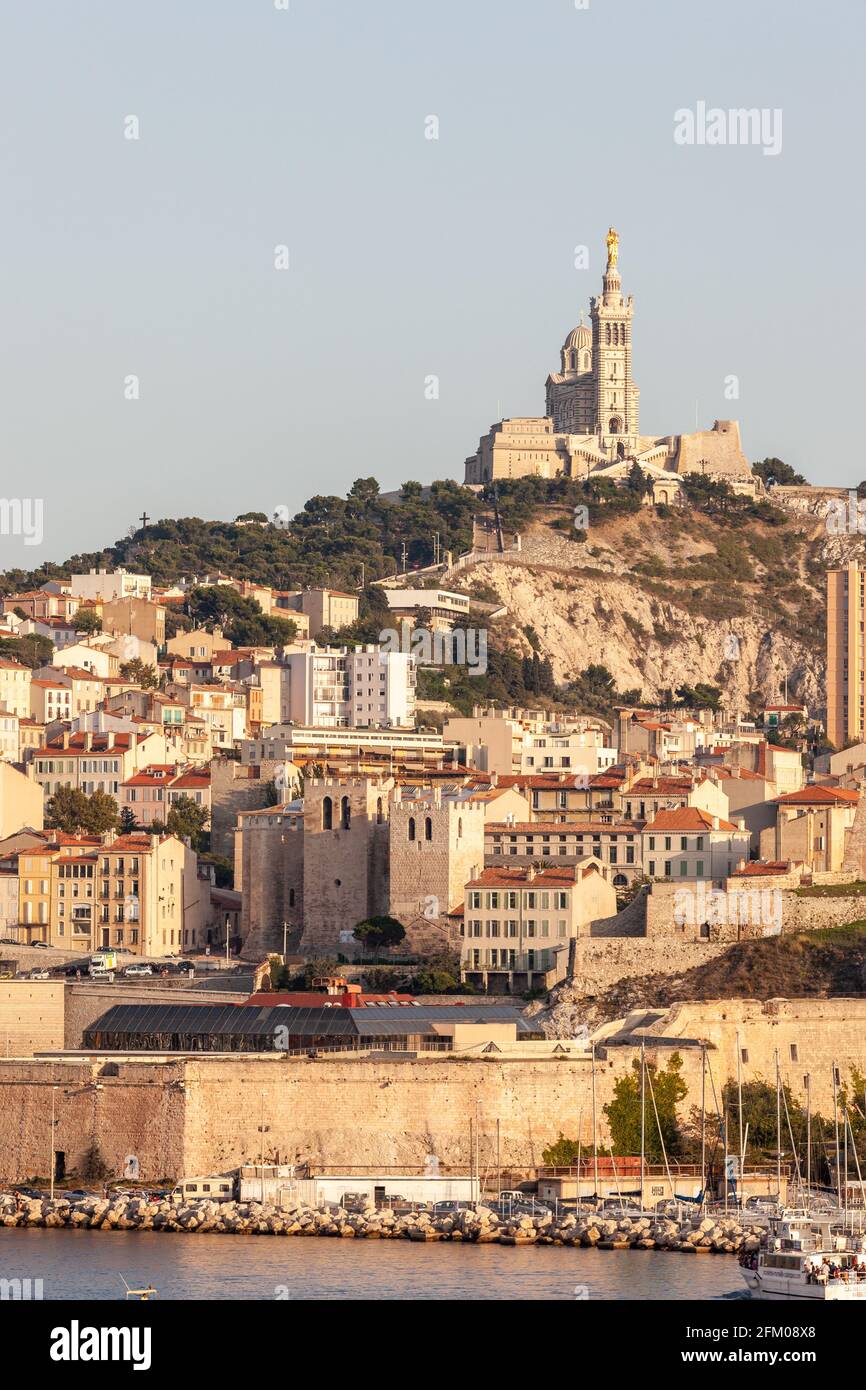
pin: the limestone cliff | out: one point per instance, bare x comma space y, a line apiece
662, 600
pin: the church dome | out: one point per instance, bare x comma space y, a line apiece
578, 338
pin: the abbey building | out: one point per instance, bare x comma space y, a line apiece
592, 422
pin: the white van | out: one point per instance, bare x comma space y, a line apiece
103, 960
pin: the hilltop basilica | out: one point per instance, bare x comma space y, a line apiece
591, 425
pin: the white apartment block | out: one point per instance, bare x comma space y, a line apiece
445, 608
340, 688
581, 752
110, 584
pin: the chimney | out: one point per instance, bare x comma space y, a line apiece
530, 873
494, 779
88, 740
65, 738
715, 822
741, 864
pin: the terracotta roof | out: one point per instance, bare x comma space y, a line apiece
760, 869
819, 796
538, 781
687, 818
156, 775
534, 827
563, 876
662, 785
196, 778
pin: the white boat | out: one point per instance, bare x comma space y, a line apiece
807, 1256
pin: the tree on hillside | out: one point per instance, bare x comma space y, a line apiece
66, 810
87, 620
140, 672
774, 472
102, 814
699, 696
380, 932
33, 650
241, 619
668, 1088
187, 820
76, 813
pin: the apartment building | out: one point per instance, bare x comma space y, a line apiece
644, 797
50, 699
517, 922
91, 761
344, 688
689, 843
15, 681
846, 660
223, 710
580, 752
329, 608
811, 827
135, 617
9, 737
106, 585
442, 608
21, 801
616, 845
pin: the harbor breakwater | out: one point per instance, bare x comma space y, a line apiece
719, 1235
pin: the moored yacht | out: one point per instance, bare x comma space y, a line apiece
807, 1256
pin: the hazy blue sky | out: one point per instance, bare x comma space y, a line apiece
408, 256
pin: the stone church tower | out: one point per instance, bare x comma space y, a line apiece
616, 395
594, 393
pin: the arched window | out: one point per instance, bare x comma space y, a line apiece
573, 360
345, 813
379, 815
411, 827
428, 828
327, 813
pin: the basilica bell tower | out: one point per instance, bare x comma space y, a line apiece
616, 396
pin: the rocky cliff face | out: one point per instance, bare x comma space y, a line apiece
663, 601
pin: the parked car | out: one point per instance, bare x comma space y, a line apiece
96, 973
43, 944
139, 969
447, 1207
37, 974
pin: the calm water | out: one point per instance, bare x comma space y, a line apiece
89, 1265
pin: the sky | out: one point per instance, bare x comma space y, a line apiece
158, 352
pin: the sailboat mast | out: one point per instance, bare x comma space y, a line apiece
836, 1123
808, 1132
594, 1129
642, 1122
703, 1123
778, 1133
